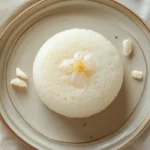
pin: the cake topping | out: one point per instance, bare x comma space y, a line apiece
78, 69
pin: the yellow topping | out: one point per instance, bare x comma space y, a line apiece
77, 69
78, 65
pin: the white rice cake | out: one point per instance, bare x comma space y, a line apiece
101, 87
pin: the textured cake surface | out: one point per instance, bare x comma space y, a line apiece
97, 88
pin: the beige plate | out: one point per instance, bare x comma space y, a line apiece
31, 120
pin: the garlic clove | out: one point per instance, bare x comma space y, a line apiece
89, 62
88, 57
78, 79
78, 55
18, 82
137, 74
21, 74
127, 47
65, 66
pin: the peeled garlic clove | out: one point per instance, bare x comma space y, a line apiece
78, 55
127, 47
89, 63
137, 74
18, 82
21, 74
88, 57
65, 65
77, 79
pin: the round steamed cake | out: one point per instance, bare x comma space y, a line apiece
77, 73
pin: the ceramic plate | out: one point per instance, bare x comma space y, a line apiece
31, 120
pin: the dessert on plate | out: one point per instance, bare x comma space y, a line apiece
77, 73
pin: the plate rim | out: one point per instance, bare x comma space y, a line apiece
141, 128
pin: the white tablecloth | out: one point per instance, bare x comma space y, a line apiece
7, 7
